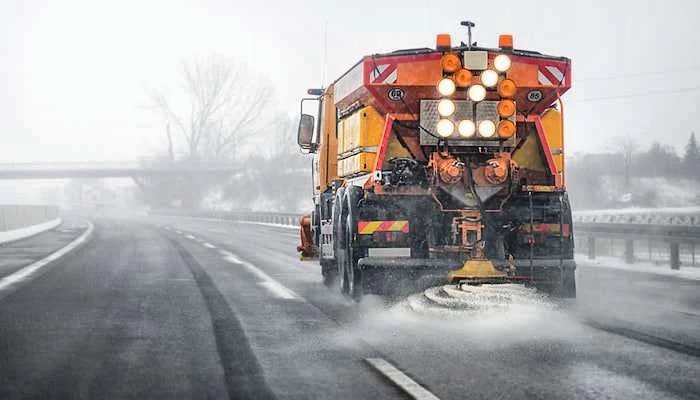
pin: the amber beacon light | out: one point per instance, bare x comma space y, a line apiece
505, 41
443, 41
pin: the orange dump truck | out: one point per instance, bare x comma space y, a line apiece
442, 164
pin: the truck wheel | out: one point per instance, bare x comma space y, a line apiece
353, 195
329, 271
564, 287
339, 240
354, 275
341, 260
568, 285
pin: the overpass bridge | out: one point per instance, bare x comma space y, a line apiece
117, 169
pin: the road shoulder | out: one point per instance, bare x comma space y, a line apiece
26, 259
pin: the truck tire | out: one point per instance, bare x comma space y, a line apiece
563, 287
329, 271
353, 273
353, 195
568, 285
338, 218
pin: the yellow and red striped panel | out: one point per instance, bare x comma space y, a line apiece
370, 227
547, 228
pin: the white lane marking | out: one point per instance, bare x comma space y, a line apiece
178, 232
408, 385
268, 282
26, 273
208, 245
190, 237
279, 290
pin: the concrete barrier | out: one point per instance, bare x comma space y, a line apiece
17, 217
20, 222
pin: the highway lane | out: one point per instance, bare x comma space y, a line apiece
15, 255
522, 353
121, 318
182, 308
141, 312
663, 306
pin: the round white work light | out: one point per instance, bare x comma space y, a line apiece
445, 127
489, 78
446, 107
487, 128
466, 128
501, 63
446, 87
476, 93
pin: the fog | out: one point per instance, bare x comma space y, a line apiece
154, 241
80, 77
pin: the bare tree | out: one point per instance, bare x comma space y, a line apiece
221, 103
627, 147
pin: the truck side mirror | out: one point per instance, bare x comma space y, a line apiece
305, 134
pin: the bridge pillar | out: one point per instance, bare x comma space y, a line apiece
591, 247
692, 253
675, 255
629, 251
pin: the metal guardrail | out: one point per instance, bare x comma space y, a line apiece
248, 216
672, 235
686, 216
679, 241
269, 218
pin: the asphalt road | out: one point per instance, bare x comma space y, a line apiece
180, 308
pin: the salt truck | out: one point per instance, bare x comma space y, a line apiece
441, 164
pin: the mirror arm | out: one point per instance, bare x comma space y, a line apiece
301, 103
318, 124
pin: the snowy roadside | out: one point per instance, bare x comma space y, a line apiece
22, 233
691, 273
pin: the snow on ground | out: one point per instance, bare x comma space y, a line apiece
17, 234
685, 272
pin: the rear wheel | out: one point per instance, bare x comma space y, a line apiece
341, 260
338, 241
329, 271
354, 275
351, 275
567, 288
561, 285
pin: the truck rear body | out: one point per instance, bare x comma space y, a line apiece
446, 163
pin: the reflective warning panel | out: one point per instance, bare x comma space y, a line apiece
370, 227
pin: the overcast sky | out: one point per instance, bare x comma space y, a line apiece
76, 74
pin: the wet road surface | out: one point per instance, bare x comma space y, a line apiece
183, 308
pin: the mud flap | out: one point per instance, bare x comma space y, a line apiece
402, 276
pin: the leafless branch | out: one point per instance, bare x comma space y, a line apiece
225, 102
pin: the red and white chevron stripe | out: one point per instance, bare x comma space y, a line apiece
550, 75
